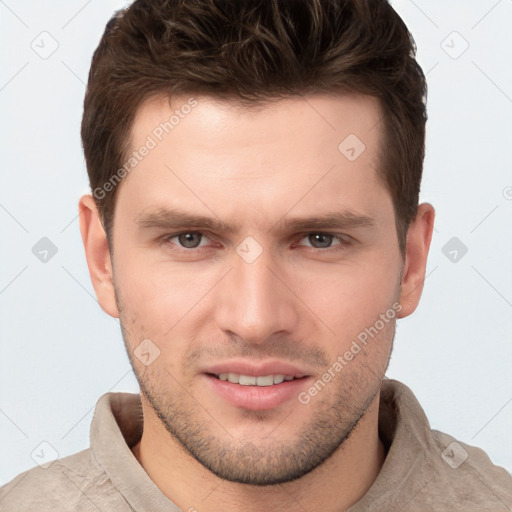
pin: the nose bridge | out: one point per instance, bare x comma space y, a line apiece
253, 303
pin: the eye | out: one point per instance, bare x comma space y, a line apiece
187, 239
323, 240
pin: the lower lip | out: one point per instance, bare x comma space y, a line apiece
257, 398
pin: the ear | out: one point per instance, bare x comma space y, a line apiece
419, 235
98, 254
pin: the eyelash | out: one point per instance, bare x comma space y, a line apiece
342, 239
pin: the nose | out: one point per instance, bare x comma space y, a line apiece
254, 300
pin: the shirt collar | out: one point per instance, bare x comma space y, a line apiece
403, 427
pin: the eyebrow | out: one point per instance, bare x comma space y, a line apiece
173, 219
165, 218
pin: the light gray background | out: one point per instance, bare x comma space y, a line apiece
59, 352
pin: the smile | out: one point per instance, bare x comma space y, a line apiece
250, 380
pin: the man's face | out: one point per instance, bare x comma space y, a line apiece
261, 286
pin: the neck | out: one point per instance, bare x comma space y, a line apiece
335, 485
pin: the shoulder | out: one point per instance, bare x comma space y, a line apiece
467, 478
429, 470
74, 483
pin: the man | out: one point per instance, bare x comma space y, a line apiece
254, 224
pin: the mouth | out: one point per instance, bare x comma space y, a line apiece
251, 380
250, 386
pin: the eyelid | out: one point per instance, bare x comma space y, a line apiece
343, 240
166, 239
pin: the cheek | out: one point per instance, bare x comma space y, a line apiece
151, 325
152, 286
161, 302
350, 299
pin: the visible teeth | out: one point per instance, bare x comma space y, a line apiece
249, 380
233, 378
265, 381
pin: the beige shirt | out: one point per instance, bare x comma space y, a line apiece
424, 470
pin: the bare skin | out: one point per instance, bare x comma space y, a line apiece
288, 300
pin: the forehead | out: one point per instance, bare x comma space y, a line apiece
312, 129
206, 149
214, 120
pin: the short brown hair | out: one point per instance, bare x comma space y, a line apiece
256, 51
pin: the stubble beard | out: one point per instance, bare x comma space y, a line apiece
261, 462
275, 459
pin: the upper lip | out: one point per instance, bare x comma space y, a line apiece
257, 369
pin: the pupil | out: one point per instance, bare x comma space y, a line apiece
320, 241
187, 240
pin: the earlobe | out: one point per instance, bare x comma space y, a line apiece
419, 236
98, 254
